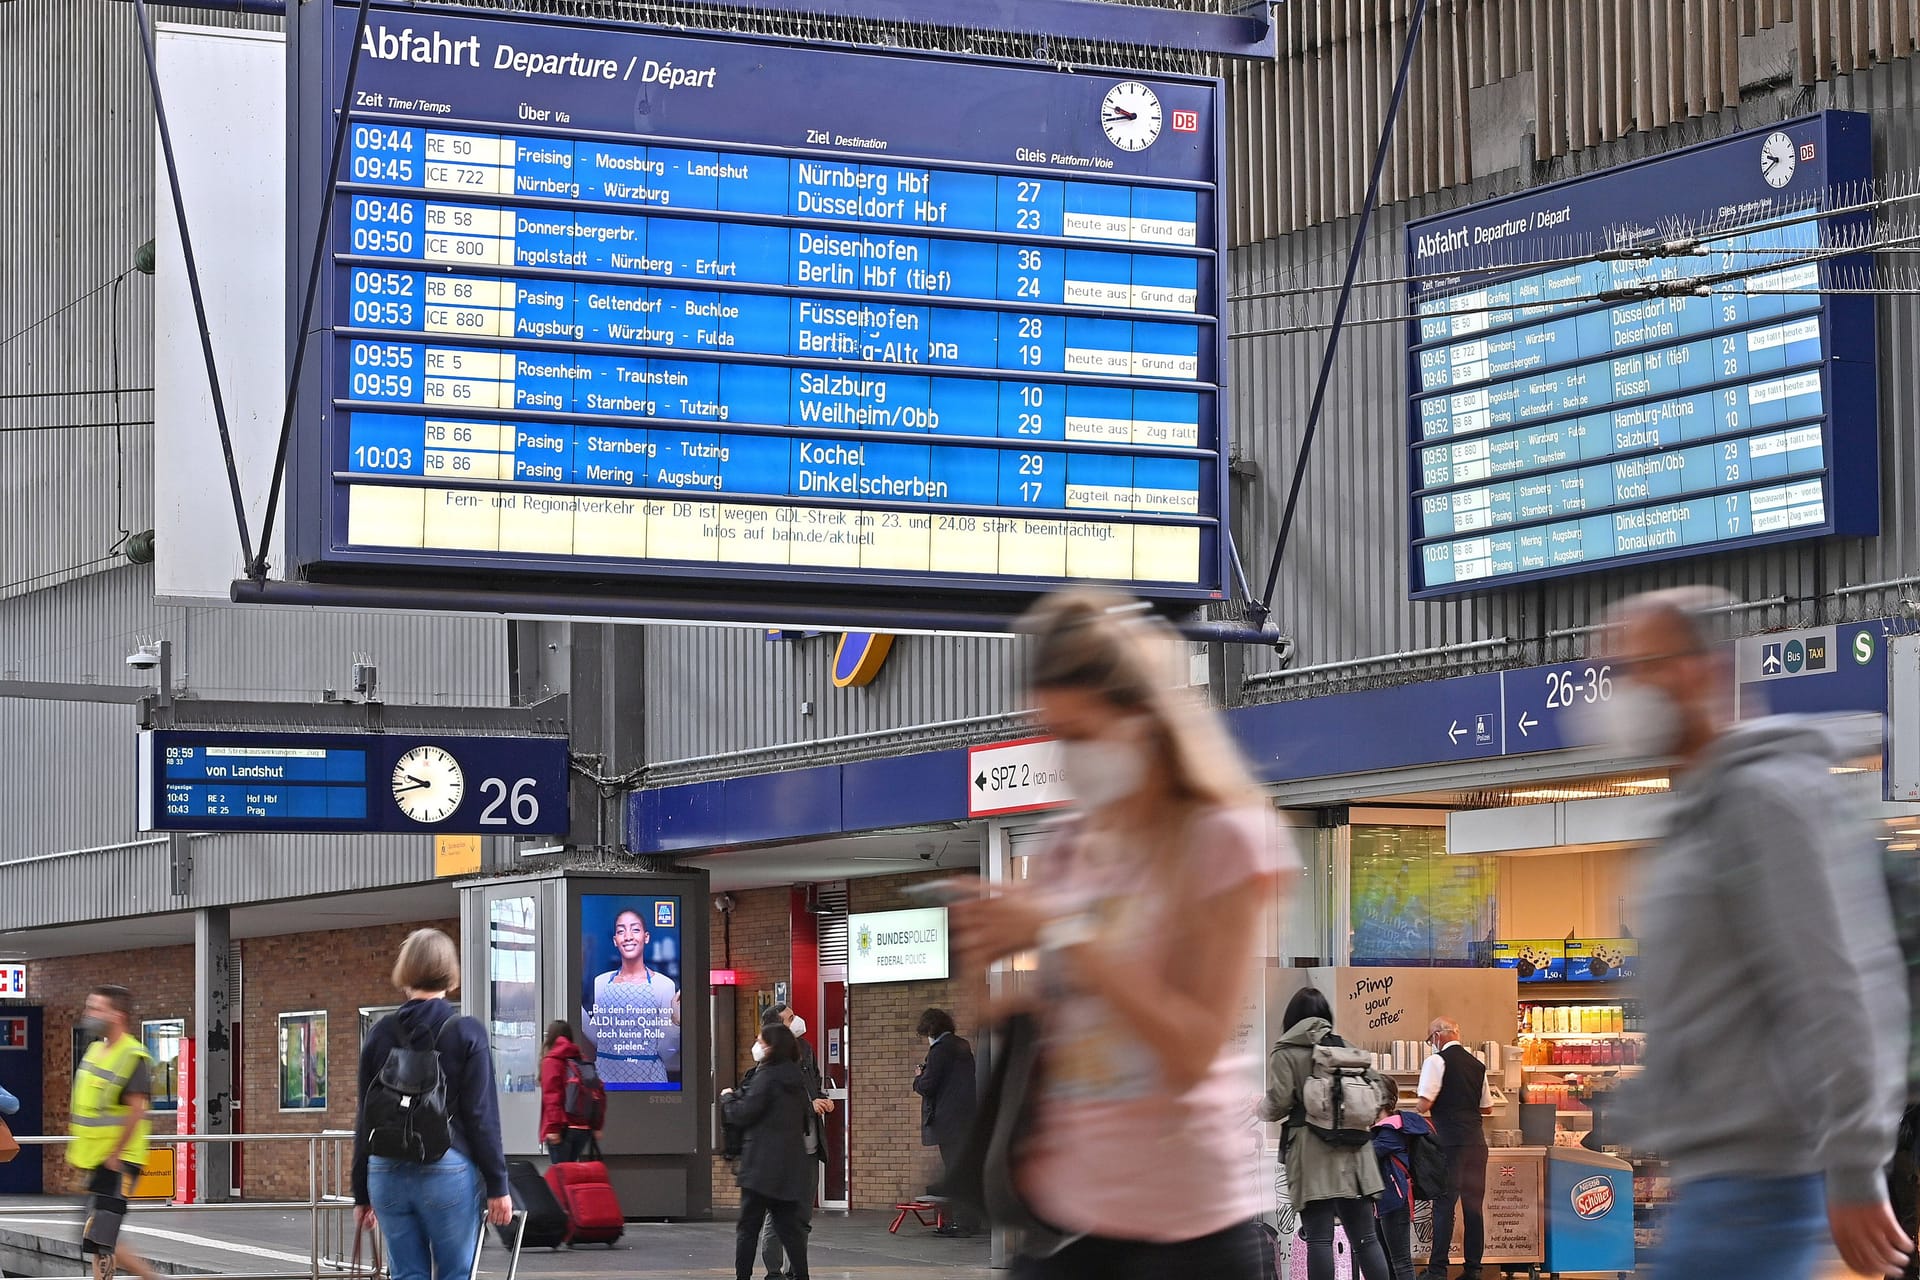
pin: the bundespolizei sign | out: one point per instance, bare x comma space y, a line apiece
1555, 431
608, 304
897, 946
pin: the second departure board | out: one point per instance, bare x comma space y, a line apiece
1557, 429
606, 301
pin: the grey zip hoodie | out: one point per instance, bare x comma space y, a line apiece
1775, 995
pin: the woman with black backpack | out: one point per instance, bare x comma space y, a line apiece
1332, 1174
427, 1143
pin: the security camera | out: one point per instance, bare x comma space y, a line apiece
723, 904
144, 659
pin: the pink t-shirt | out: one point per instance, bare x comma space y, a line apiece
1112, 1151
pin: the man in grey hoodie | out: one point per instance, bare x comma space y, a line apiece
1774, 991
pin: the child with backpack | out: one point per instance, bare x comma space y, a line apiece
1409, 1155
573, 1101
1327, 1095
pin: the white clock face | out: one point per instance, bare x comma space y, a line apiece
428, 784
1777, 159
1130, 113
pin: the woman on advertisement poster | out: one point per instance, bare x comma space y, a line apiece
634, 1014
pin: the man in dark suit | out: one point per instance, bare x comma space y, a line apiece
945, 1085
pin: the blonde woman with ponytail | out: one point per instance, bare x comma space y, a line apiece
1144, 913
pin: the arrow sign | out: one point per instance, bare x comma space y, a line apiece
1453, 733
1016, 777
1527, 722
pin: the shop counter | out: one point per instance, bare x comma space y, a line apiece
1516, 1235
1589, 1212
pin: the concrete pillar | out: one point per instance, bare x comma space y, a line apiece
213, 1046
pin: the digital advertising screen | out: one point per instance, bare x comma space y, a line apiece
630, 963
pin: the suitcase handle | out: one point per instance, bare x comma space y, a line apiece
519, 1220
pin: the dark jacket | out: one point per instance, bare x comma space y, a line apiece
1396, 1158
553, 1087
772, 1115
810, 1068
467, 1064
945, 1085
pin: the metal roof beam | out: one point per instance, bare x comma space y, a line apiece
1248, 32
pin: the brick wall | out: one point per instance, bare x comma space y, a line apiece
161, 980
762, 956
888, 1161
338, 971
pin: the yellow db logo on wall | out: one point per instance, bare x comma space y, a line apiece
859, 657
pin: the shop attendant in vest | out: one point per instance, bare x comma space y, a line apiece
1455, 1095
111, 1092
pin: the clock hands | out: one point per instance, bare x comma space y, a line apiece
1121, 113
413, 784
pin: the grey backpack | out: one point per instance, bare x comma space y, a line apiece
1341, 1098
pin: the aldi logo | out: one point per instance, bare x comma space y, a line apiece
1186, 122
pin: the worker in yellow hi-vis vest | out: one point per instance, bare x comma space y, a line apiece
111, 1091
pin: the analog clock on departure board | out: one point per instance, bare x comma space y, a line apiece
428, 784
1130, 113
1777, 160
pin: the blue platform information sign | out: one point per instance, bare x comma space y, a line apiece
191, 780
1561, 422
608, 301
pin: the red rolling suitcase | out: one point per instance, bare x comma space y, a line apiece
593, 1212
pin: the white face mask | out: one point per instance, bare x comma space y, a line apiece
1103, 771
1638, 720
759, 1052
798, 1026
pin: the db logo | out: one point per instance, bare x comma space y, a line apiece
1593, 1198
1186, 122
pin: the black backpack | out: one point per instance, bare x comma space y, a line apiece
405, 1114
1428, 1165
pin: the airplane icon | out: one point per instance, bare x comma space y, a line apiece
1770, 662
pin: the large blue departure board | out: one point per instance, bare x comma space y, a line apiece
615, 304
1560, 425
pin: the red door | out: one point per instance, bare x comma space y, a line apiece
836, 1069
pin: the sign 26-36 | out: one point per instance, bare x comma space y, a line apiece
1566, 686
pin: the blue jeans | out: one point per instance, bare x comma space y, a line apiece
429, 1213
1744, 1229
